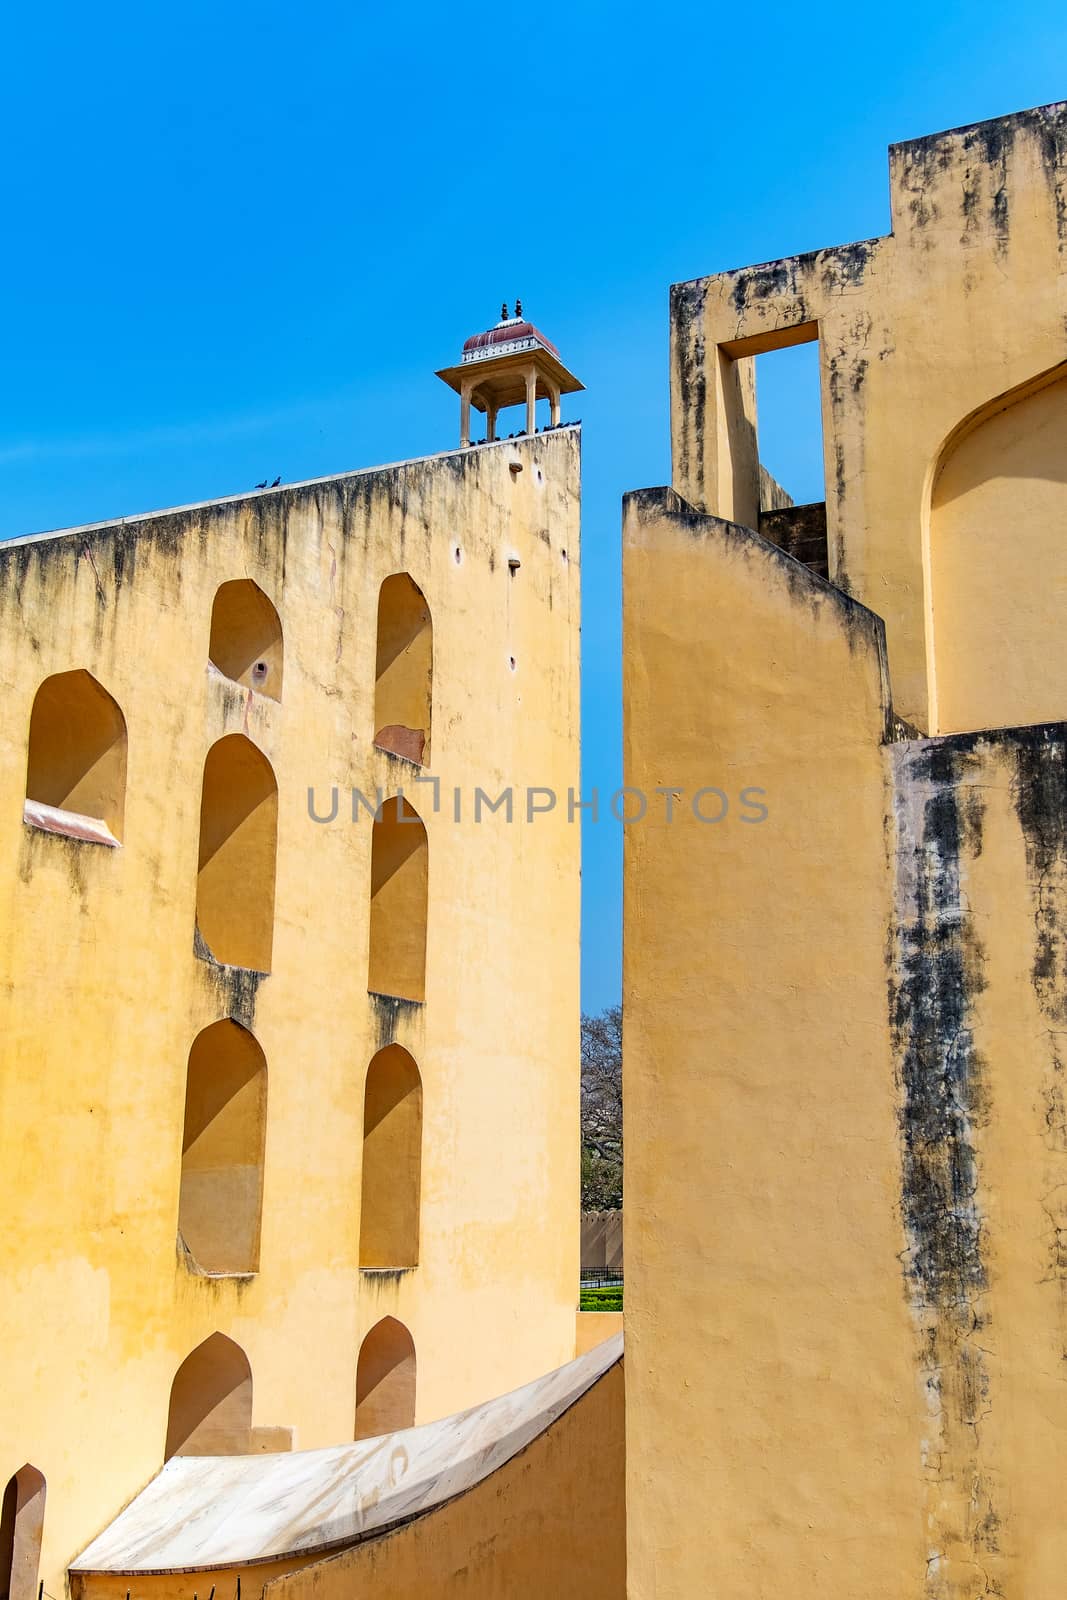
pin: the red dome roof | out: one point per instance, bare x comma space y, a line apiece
508, 333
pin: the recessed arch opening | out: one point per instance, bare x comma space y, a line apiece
399, 890
385, 1380
221, 1200
238, 843
21, 1534
246, 637
392, 1161
404, 670
76, 762
211, 1402
996, 556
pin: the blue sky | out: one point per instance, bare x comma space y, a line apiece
238, 239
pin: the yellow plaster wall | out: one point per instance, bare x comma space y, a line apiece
772, 1436
844, 1102
184, 1585
980, 991
102, 994
963, 301
593, 1327
550, 1522
846, 1126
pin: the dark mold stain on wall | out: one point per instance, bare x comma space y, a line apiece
966, 171
689, 372
1052, 142
992, 143
82, 863
918, 165
844, 266
765, 282
384, 1277
1040, 795
237, 988
840, 487
388, 1009
936, 976
847, 365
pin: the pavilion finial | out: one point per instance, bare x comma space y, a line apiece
508, 365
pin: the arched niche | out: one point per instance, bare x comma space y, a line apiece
998, 562
238, 842
211, 1402
404, 670
246, 637
224, 1134
21, 1533
398, 906
385, 1380
392, 1161
76, 762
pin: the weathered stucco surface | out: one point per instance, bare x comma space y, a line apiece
845, 1024
772, 1443
103, 993
978, 1003
844, 1075
963, 302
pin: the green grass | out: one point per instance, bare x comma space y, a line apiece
608, 1299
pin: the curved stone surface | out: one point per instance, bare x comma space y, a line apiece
223, 1511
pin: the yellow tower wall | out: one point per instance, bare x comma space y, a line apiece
103, 993
963, 303
772, 1441
978, 998
846, 1132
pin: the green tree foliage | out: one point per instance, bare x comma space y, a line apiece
602, 1111
601, 1183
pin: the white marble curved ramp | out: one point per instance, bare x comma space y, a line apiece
211, 1512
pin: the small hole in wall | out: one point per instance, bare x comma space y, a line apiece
563, 553
259, 671
458, 553
540, 476
511, 662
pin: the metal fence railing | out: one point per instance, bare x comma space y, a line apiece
601, 1277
